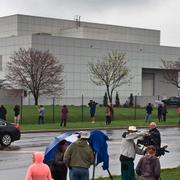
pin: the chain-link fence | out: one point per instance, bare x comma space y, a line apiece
77, 106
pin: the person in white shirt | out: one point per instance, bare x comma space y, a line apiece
128, 151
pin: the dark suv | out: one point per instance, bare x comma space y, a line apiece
172, 101
8, 133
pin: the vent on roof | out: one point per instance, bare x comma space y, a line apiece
77, 21
47, 34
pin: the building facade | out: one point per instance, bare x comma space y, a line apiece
76, 43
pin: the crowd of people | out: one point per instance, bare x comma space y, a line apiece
78, 156
161, 112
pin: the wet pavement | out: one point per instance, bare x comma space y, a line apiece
15, 159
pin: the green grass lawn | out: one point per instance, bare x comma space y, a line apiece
166, 174
123, 117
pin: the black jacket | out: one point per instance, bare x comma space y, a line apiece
155, 137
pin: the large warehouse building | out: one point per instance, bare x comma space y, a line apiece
76, 43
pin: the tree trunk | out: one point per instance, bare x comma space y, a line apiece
35, 100
109, 95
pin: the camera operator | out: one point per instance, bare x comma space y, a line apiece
154, 135
128, 151
155, 138
152, 138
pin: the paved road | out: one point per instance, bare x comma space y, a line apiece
15, 159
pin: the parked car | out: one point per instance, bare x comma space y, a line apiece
9, 132
172, 101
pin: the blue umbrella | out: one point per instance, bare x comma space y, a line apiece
52, 148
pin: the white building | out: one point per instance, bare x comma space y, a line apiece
76, 43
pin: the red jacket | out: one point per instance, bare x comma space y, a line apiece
64, 112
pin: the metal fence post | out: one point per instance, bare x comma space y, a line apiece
135, 104
82, 112
53, 109
21, 107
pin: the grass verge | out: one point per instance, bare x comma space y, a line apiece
166, 174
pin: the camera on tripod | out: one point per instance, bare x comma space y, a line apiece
147, 141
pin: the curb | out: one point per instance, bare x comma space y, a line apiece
88, 129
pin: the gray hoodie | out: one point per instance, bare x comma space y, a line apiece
148, 167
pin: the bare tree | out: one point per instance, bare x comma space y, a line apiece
36, 71
3, 84
171, 71
111, 72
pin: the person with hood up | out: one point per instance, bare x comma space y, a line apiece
38, 170
79, 157
148, 167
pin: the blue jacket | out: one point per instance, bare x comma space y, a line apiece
98, 143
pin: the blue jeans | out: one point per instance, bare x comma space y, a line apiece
148, 117
78, 173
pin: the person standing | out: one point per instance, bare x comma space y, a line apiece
108, 114
64, 115
149, 110
160, 112
60, 168
148, 167
128, 151
41, 110
79, 157
16, 114
92, 105
38, 170
3, 112
154, 137
164, 112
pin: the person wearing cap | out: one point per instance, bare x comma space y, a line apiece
79, 157
154, 136
128, 151
148, 167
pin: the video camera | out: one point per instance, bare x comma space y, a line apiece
147, 141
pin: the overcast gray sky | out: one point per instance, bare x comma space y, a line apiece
163, 15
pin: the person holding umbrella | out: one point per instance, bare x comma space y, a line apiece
79, 157
60, 168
